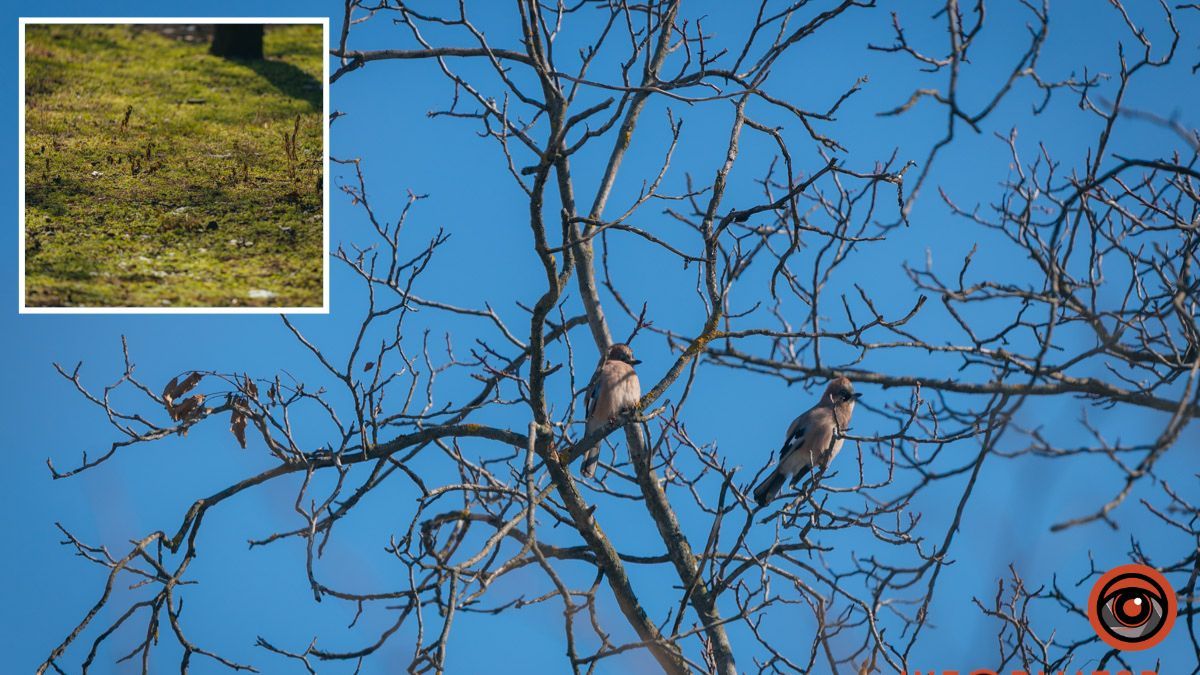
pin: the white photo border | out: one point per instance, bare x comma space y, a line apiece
323, 21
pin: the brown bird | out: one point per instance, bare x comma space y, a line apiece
613, 389
813, 438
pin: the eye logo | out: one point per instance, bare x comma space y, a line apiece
1132, 607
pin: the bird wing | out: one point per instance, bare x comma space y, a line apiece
795, 437
591, 395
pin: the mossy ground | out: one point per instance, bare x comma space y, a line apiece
195, 199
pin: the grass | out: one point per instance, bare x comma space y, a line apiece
158, 175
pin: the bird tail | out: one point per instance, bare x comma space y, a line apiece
801, 474
767, 489
591, 458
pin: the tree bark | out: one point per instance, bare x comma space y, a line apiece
237, 41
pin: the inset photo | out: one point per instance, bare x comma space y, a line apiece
174, 166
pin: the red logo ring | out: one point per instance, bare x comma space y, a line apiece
1132, 607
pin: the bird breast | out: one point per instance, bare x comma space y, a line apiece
842, 413
623, 386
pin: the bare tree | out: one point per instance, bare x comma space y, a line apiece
1104, 247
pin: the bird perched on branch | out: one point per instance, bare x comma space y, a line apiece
813, 438
613, 389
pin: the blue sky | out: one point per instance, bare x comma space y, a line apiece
246, 593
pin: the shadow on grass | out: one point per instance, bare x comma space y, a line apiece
70, 267
56, 196
42, 78
288, 79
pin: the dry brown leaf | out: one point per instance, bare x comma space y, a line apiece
168, 392
237, 425
188, 409
175, 388
251, 388
368, 366
189, 382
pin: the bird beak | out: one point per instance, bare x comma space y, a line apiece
635, 362
857, 396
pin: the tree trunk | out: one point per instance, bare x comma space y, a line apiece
237, 41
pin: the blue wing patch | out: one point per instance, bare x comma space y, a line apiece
591, 396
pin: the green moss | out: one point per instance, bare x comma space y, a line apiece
193, 201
